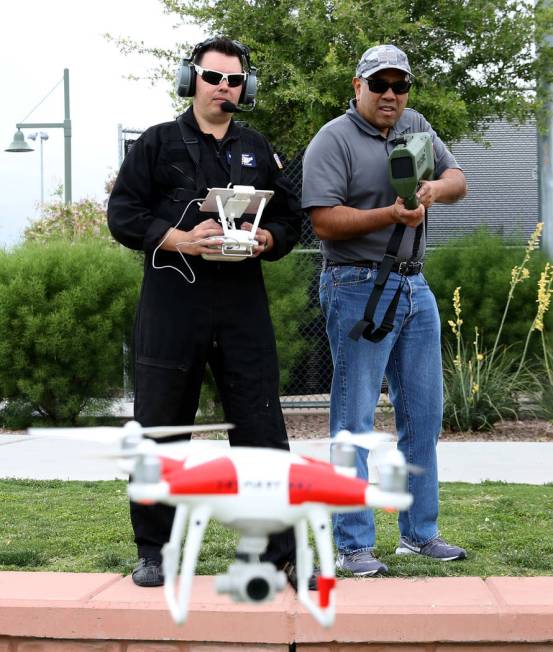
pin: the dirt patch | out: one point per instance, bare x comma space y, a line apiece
310, 426
305, 425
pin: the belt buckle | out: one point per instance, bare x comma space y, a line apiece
408, 267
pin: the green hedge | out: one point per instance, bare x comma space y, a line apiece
66, 308
481, 265
65, 311
287, 282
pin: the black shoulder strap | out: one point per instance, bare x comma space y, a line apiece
235, 161
365, 327
192, 145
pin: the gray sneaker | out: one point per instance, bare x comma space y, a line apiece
360, 563
435, 548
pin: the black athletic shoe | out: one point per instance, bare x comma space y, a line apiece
290, 569
148, 572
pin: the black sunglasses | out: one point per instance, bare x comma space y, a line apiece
381, 86
214, 77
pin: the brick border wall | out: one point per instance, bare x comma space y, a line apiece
66, 612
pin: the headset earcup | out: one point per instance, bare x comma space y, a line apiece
186, 79
249, 88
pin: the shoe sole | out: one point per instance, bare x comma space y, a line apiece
379, 571
407, 551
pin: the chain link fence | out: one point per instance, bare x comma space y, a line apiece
309, 384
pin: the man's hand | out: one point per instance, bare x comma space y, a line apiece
263, 237
427, 193
402, 215
194, 242
450, 187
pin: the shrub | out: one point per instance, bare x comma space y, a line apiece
65, 311
72, 222
481, 264
287, 282
483, 387
480, 388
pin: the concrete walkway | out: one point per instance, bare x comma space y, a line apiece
21, 456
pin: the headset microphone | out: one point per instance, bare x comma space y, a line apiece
229, 107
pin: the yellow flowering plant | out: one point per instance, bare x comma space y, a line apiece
481, 388
475, 398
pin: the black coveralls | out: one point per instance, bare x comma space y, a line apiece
222, 319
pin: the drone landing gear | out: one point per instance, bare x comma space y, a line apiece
323, 612
199, 518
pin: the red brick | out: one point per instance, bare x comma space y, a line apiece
232, 647
497, 647
152, 646
53, 645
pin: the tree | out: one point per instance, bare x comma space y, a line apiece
474, 60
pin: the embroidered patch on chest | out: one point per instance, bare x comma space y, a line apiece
248, 160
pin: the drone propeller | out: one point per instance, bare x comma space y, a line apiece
113, 434
174, 449
366, 440
396, 459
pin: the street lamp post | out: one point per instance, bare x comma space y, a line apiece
41, 136
19, 143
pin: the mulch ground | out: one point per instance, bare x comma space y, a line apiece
302, 424
308, 426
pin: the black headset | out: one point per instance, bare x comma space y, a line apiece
186, 75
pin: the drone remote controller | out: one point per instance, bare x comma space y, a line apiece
231, 204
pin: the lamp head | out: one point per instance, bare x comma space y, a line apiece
38, 134
19, 143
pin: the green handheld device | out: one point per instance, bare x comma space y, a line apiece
411, 161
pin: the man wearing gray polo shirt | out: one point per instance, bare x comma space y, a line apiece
354, 212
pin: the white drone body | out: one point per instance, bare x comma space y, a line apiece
258, 492
231, 204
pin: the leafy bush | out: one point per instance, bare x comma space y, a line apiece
83, 219
65, 311
481, 264
483, 387
480, 390
287, 282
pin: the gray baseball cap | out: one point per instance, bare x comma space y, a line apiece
382, 57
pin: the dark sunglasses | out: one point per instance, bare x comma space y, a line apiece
381, 86
214, 77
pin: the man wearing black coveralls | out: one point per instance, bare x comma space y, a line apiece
222, 318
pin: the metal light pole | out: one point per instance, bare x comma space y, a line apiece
20, 145
42, 136
545, 157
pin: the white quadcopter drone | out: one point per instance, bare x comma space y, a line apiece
256, 491
231, 204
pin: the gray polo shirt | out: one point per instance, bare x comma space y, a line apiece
346, 164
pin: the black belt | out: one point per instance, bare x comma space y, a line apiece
405, 268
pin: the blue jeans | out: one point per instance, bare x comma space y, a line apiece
410, 357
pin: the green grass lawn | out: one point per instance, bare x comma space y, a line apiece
84, 526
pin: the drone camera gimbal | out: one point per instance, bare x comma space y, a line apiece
247, 582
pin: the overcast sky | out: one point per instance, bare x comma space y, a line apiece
38, 39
